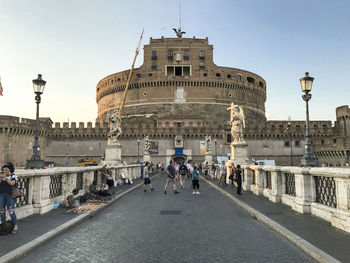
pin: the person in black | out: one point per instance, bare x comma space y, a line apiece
171, 177
183, 173
239, 179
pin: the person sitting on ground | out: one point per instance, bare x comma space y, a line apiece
110, 181
71, 199
101, 192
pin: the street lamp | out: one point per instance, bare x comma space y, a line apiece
290, 133
138, 150
309, 158
35, 162
216, 153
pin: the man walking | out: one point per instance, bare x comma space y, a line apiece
171, 177
222, 179
183, 173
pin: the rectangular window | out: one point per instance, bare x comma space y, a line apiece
287, 144
201, 65
154, 54
170, 70
186, 55
178, 71
201, 55
239, 78
170, 54
154, 65
297, 143
334, 141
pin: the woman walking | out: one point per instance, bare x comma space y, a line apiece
8, 181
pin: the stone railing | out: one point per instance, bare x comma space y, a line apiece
324, 192
43, 188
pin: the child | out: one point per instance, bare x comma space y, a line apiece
195, 180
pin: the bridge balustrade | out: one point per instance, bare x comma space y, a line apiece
324, 192
44, 187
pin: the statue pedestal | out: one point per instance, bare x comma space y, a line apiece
113, 154
208, 158
146, 157
239, 153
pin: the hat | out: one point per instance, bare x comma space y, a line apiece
8, 165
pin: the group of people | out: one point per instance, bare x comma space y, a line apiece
235, 175
179, 172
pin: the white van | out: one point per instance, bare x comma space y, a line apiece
265, 162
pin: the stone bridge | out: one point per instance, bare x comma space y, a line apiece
286, 214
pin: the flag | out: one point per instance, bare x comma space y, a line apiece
1, 89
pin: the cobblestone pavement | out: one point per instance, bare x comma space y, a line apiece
153, 227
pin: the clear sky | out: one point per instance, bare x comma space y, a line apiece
75, 43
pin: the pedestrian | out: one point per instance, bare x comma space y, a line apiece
146, 172
206, 170
232, 173
8, 182
239, 179
183, 173
171, 177
141, 172
222, 179
195, 181
177, 171
212, 171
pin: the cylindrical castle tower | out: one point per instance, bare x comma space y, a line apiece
179, 81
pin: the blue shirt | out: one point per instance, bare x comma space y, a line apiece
171, 170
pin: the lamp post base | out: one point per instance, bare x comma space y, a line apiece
311, 161
35, 163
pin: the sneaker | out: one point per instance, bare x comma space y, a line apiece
198, 193
176, 192
145, 190
193, 193
152, 189
165, 192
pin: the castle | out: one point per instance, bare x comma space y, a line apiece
179, 96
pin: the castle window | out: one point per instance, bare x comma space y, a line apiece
201, 55
178, 124
118, 79
178, 71
239, 77
170, 71
154, 65
154, 54
145, 94
322, 142
287, 144
230, 95
205, 74
229, 76
186, 55
297, 143
218, 75
201, 65
150, 74
261, 84
170, 54
138, 75
334, 141
250, 80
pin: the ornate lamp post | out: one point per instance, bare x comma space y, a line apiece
308, 159
138, 150
35, 162
216, 153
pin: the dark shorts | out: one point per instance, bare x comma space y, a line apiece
195, 184
147, 181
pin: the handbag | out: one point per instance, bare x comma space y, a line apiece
17, 192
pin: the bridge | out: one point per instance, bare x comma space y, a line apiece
285, 214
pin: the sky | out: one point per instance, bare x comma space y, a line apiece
75, 43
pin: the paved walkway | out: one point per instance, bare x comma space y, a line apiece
315, 230
153, 227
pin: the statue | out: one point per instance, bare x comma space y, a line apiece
237, 123
147, 144
178, 32
208, 144
114, 126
